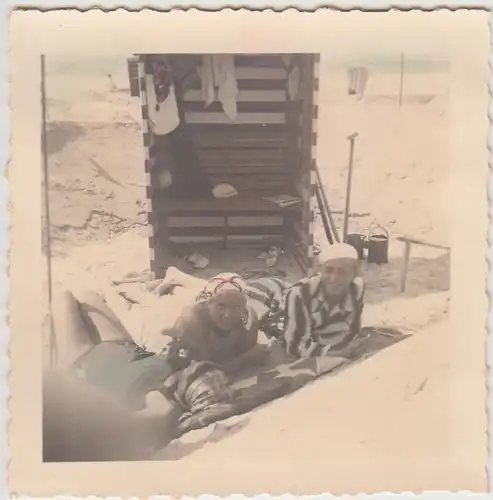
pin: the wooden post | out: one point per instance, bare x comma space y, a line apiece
351, 139
405, 264
402, 80
44, 158
323, 214
325, 203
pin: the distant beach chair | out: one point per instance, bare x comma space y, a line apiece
358, 78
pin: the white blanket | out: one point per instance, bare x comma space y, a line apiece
152, 312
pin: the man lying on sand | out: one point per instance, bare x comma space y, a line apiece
319, 315
99, 359
220, 327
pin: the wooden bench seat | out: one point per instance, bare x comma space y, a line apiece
226, 206
246, 219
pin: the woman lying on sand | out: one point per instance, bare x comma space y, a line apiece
99, 359
319, 315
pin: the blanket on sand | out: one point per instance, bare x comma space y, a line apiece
272, 374
276, 375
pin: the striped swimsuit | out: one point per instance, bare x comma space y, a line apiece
299, 316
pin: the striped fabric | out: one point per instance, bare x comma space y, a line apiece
197, 386
300, 317
265, 297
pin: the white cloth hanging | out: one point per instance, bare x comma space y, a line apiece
208, 82
293, 77
218, 72
164, 117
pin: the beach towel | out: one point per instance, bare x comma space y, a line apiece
280, 376
275, 374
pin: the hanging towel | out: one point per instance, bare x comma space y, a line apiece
218, 72
208, 83
163, 115
293, 70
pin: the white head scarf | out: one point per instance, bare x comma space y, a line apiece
338, 251
221, 283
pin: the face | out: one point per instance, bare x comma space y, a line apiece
227, 309
337, 275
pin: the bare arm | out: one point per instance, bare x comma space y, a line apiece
159, 421
248, 339
245, 350
157, 405
190, 330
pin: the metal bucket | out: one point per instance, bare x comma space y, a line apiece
378, 245
357, 241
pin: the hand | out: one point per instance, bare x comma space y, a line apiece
350, 352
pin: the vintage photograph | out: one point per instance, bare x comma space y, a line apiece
247, 254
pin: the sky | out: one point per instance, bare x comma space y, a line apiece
357, 35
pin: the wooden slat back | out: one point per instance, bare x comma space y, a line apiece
240, 119
239, 137
244, 96
250, 151
260, 184
242, 158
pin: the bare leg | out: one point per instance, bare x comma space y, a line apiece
72, 335
100, 318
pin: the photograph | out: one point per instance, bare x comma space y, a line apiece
246, 255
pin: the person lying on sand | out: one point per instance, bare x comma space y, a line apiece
220, 327
81, 423
97, 352
319, 315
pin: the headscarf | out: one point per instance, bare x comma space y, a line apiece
338, 251
221, 283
